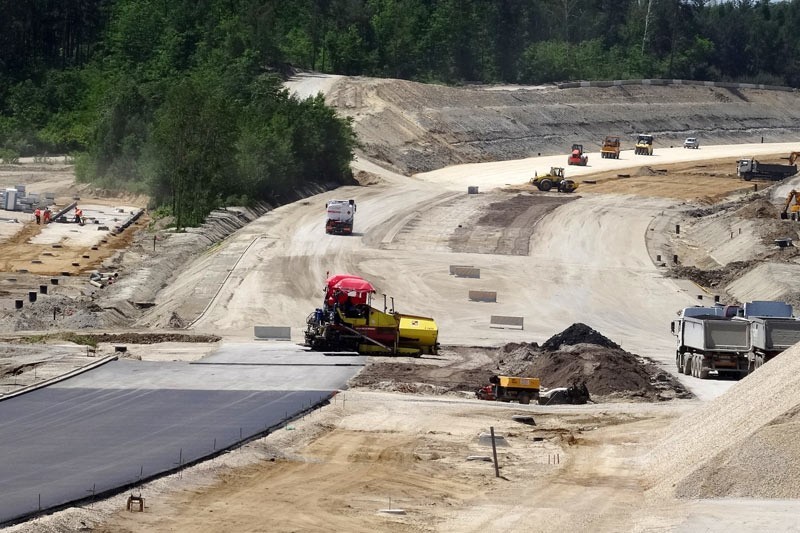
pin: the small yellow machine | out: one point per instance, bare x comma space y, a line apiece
644, 145
508, 388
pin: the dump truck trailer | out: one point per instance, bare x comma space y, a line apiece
750, 168
710, 344
769, 336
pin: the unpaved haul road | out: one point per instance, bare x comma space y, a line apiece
587, 263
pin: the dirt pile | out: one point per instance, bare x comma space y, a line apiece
758, 208
579, 353
578, 333
742, 444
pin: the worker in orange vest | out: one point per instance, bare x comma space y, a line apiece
78, 215
38, 214
47, 215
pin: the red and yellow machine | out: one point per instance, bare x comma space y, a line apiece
348, 322
577, 157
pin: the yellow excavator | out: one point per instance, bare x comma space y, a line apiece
791, 209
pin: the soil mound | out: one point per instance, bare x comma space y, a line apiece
606, 370
760, 208
578, 333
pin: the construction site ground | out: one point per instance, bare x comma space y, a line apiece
391, 453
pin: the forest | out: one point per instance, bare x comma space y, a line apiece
183, 100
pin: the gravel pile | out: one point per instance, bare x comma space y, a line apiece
742, 444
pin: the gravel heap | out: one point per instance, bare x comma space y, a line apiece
579, 353
742, 444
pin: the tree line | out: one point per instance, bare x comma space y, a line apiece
183, 100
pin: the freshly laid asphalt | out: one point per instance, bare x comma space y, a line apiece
128, 420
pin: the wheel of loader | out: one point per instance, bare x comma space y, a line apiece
545, 185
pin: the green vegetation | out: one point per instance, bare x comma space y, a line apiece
183, 99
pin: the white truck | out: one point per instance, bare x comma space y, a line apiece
772, 330
749, 168
340, 214
711, 341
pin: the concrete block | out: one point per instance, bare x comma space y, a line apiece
485, 439
499, 321
276, 333
454, 267
467, 272
483, 296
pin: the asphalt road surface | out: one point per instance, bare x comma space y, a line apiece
128, 421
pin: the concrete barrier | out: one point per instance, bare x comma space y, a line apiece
502, 322
483, 296
275, 333
467, 272
454, 267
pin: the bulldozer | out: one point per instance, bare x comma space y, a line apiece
577, 157
555, 178
791, 209
644, 145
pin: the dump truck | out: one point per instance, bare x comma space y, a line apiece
750, 168
347, 321
340, 215
577, 157
644, 145
773, 329
555, 178
610, 149
711, 341
508, 389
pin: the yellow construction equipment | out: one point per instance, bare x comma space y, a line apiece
610, 148
644, 145
347, 321
791, 209
508, 388
555, 178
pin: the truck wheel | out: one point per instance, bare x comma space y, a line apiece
678, 363
687, 366
524, 398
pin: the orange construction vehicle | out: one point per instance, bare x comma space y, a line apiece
577, 157
610, 148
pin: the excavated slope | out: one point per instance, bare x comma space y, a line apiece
742, 444
417, 127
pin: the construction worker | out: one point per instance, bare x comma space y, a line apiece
78, 215
38, 214
47, 215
